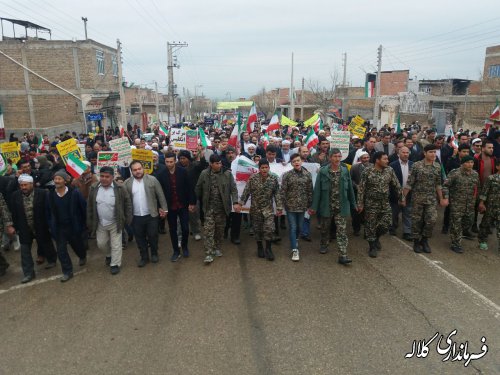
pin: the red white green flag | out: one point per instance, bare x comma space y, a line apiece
318, 124
235, 135
265, 140
40, 144
274, 124
163, 130
75, 166
252, 119
205, 142
311, 139
245, 168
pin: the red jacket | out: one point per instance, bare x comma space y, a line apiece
479, 165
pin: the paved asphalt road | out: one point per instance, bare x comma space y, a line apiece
244, 315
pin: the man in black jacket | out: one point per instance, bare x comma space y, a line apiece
28, 215
180, 198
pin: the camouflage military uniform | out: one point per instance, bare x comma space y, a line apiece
5, 220
340, 220
423, 181
296, 187
490, 195
261, 207
215, 218
373, 194
461, 187
28, 210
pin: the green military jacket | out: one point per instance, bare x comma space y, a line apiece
227, 188
321, 194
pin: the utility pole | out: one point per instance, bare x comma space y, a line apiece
84, 19
302, 101
377, 88
157, 104
171, 48
123, 112
292, 96
344, 83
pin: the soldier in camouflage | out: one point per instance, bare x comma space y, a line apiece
373, 198
216, 190
460, 188
424, 182
263, 187
489, 205
7, 226
333, 196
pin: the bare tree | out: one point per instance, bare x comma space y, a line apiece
324, 96
265, 101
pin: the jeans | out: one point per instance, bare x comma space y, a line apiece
306, 227
146, 233
183, 215
66, 235
405, 216
295, 222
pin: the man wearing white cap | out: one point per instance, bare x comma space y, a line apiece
28, 214
285, 150
477, 144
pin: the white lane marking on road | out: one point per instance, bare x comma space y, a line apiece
485, 300
37, 282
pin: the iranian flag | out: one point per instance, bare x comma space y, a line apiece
311, 139
265, 140
318, 124
274, 124
245, 168
495, 115
252, 119
205, 142
39, 146
163, 130
233, 138
75, 166
3, 165
448, 132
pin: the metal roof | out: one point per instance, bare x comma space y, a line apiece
31, 25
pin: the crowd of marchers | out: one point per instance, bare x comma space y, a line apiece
387, 175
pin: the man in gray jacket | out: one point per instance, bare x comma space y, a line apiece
108, 210
147, 195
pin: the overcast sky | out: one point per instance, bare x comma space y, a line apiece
236, 48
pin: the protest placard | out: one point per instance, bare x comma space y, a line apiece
340, 140
107, 159
192, 140
69, 147
10, 150
178, 138
122, 146
144, 156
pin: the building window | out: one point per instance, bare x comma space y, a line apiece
114, 63
100, 61
426, 89
494, 71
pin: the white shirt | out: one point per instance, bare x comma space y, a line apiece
65, 191
286, 155
105, 202
405, 170
139, 198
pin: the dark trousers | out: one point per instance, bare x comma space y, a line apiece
233, 222
356, 220
3, 263
45, 249
66, 235
146, 232
183, 215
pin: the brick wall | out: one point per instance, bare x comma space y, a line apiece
491, 84
393, 82
55, 61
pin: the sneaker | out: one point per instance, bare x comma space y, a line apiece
344, 259
457, 249
218, 253
197, 237
66, 277
323, 250
175, 256
483, 246
208, 259
115, 270
295, 255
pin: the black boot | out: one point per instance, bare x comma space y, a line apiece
269, 252
425, 246
260, 250
417, 247
372, 252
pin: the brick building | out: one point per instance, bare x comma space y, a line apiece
86, 68
491, 72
